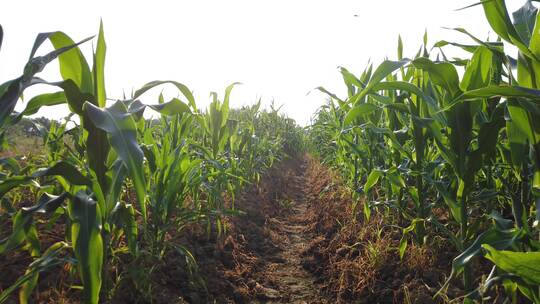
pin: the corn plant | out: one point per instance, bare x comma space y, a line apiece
180, 168
414, 130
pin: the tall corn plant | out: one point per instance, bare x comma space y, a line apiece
450, 138
90, 170
92, 178
173, 174
81, 86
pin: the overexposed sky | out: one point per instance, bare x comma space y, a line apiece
280, 50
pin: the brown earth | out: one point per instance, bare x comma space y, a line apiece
260, 261
296, 243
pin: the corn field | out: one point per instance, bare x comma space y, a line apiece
417, 136
117, 180
443, 149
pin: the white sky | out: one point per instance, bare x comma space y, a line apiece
278, 49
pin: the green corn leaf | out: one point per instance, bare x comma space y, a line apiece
225, 105
412, 89
383, 70
433, 220
465, 47
400, 48
451, 202
73, 65
443, 74
12, 90
8, 100
65, 170
99, 68
11, 164
501, 222
495, 91
394, 176
136, 108
1, 36
97, 148
505, 91
47, 99
173, 107
71, 94
402, 246
366, 209
124, 216
497, 47
117, 175
489, 130
523, 264
74, 96
12, 182
21, 223
23, 230
359, 110
526, 71
372, 179
47, 203
500, 239
534, 44
181, 87
28, 286
332, 95
524, 121
517, 138
471, 5
34, 248
499, 19
37, 64
403, 242
51, 258
87, 243
478, 71
351, 81
524, 19
122, 131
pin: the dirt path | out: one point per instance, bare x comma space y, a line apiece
260, 259
296, 285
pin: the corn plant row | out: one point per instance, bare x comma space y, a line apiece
117, 181
455, 134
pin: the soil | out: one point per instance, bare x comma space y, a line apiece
296, 285
297, 242
261, 260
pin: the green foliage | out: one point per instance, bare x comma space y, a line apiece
462, 135
180, 168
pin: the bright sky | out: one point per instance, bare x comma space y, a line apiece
280, 50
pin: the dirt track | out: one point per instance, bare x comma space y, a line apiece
296, 243
296, 285
261, 259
